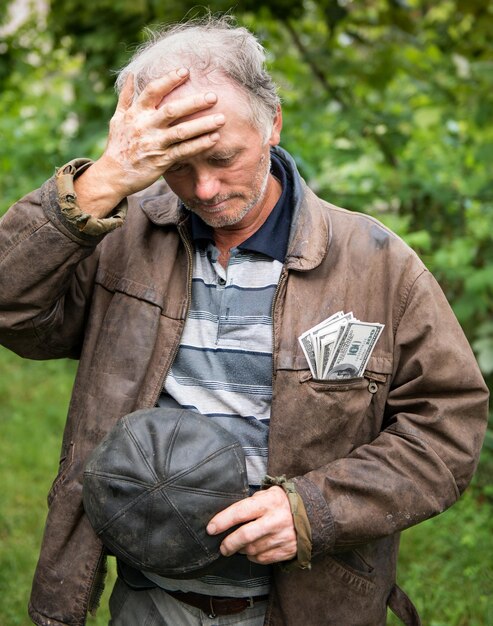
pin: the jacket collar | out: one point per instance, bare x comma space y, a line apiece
311, 229
310, 233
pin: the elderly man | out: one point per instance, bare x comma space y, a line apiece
199, 300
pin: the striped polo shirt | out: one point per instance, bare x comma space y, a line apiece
223, 368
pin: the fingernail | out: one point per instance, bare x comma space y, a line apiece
215, 137
182, 72
219, 119
223, 551
210, 97
211, 529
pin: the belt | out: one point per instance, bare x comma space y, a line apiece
214, 605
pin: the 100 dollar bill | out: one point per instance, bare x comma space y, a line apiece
340, 346
353, 350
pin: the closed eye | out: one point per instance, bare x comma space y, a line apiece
221, 161
177, 167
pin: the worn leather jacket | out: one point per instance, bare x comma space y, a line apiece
369, 456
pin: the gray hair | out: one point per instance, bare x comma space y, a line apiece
208, 45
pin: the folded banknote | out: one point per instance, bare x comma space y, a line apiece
340, 346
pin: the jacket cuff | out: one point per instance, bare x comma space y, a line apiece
321, 521
60, 204
300, 520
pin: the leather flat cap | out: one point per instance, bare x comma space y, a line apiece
153, 484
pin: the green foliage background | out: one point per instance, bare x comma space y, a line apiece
387, 106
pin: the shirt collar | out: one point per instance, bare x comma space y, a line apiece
272, 237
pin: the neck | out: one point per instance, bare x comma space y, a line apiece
231, 236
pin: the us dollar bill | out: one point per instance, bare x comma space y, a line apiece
325, 336
353, 350
329, 346
340, 346
310, 344
309, 352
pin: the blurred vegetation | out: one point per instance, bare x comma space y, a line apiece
387, 108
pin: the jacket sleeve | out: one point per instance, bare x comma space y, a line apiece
428, 448
48, 256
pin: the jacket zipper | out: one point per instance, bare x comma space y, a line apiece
282, 280
97, 584
189, 250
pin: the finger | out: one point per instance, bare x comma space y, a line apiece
278, 546
262, 535
240, 512
172, 112
272, 556
126, 94
283, 542
248, 509
194, 128
186, 149
239, 540
268, 549
154, 92
269, 543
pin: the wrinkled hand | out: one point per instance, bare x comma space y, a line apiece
147, 136
267, 533
145, 140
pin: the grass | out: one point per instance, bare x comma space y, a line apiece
446, 564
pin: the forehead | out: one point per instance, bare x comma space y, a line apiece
238, 130
231, 101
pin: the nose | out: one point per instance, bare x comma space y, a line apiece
206, 186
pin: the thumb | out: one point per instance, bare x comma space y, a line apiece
126, 94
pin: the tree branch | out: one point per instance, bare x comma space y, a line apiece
334, 92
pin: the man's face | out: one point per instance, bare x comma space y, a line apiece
227, 184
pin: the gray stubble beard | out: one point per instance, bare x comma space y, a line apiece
230, 220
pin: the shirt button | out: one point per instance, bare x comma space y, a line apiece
221, 281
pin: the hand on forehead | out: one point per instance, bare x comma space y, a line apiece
227, 94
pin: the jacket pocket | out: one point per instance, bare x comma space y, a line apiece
371, 380
348, 574
64, 465
315, 422
354, 561
345, 402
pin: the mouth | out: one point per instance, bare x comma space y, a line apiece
210, 207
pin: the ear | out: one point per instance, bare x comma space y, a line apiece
275, 136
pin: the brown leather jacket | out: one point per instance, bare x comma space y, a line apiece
371, 456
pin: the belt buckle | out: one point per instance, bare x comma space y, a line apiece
250, 602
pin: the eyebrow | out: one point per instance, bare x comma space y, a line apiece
226, 154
